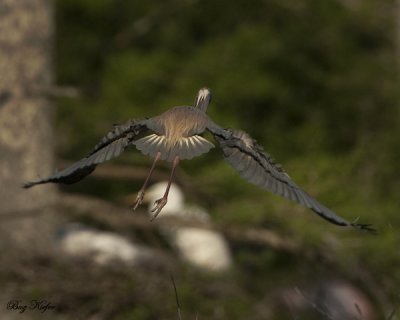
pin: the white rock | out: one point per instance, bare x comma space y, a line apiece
103, 247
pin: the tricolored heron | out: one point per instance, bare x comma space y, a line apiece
176, 135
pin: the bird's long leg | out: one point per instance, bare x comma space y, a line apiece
139, 197
160, 203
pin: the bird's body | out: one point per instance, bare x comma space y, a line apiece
182, 121
177, 134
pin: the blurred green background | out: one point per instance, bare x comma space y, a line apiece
315, 82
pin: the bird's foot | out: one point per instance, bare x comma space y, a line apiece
139, 199
158, 205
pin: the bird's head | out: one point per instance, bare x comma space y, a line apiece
203, 99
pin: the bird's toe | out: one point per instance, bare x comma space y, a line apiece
158, 205
139, 199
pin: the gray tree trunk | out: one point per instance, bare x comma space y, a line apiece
26, 136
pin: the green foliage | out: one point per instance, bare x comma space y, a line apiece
313, 81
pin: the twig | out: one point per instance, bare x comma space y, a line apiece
120, 171
148, 22
392, 314
55, 91
314, 305
176, 297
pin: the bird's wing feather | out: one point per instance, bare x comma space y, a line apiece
256, 166
110, 146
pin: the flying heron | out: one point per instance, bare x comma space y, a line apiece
176, 135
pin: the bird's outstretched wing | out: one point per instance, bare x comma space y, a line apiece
256, 166
112, 145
